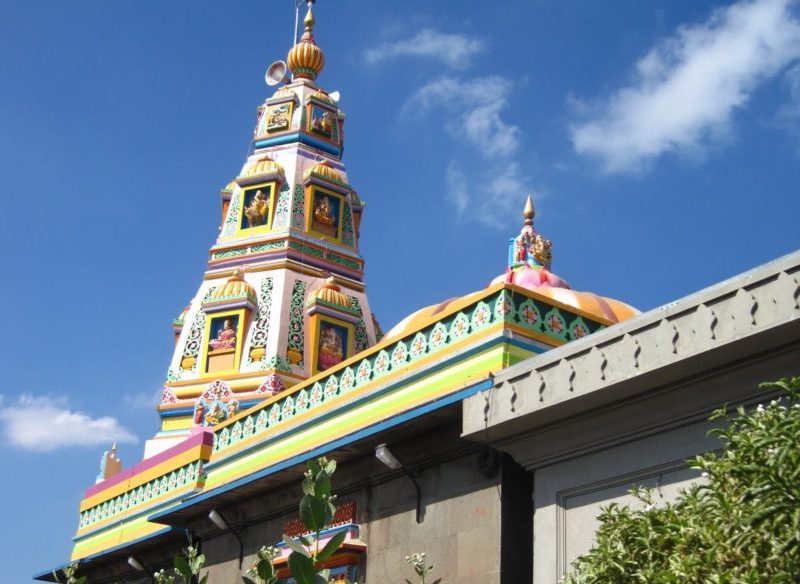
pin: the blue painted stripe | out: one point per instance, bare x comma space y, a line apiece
300, 137
331, 446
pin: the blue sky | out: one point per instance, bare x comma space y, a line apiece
660, 139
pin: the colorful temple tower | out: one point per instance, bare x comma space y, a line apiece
283, 295
278, 357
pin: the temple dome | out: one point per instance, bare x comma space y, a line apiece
306, 59
235, 287
329, 293
262, 166
229, 187
325, 170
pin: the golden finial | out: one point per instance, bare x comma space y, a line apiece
528, 213
309, 21
114, 449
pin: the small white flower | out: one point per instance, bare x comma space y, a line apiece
704, 475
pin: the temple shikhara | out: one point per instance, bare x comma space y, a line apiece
279, 358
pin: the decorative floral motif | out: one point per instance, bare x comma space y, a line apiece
460, 326
578, 328
260, 330
299, 207
348, 379
364, 372
331, 387
362, 340
301, 404
274, 414
529, 314
438, 336
381, 365
288, 407
418, 346
282, 209
272, 384
504, 305
261, 421
168, 396
348, 237
399, 354
316, 396
481, 316
296, 341
232, 220
554, 323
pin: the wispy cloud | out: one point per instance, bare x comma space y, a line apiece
687, 88
480, 102
473, 110
452, 49
44, 424
142, 400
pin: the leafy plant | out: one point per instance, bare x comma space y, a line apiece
263, 571
186, 569
316, 511
421, 567
70, 572
741, 526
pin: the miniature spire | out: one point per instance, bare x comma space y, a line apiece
309, 21
529, 212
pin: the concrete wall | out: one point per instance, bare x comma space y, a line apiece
629, 405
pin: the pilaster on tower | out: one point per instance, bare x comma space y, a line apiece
283, 296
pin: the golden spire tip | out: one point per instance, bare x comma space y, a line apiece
529, 212
309, 21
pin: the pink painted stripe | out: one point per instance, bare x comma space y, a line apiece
204, 437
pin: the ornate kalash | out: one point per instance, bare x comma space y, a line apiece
278, 358
283, 296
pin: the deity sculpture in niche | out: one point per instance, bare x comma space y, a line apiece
256, 211
277, 117
215, 415
199, 413
325, 214
225, 337
332, 344
321, 122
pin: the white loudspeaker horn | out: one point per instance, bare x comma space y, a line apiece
277, 73
335, 96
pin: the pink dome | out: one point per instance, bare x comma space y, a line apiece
531, 278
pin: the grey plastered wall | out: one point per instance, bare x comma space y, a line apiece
629, 405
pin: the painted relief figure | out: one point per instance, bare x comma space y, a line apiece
321, 122
215, 415
224, 337
325, 214
332, 345
277, 117
256, 210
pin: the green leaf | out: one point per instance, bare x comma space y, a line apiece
330, 468
265, 570
294, 546
313, 513
308, 486
247, 580
322, 485
204, 579
302, 569
331, 546
182, 566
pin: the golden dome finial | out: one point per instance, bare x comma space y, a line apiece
529, 212
309, 21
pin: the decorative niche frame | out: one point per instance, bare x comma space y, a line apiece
221, 330
322, 122
324, 212
332, 341
256, 208
275, 118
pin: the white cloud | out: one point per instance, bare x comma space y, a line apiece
479, 103
143, 400
687, 87
490, 195
43, 424
454, 50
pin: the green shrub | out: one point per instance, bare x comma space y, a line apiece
741, 525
